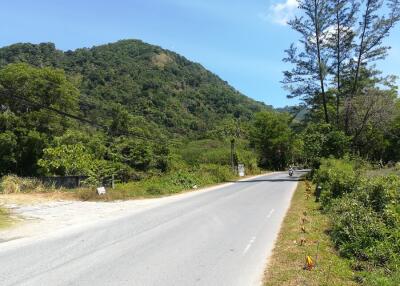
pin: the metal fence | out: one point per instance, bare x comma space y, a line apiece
68, 182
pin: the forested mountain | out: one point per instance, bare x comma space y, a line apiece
119, 108
133, 77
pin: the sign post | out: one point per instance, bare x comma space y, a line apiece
101, 191
241, 170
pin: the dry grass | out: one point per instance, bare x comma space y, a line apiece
35, 198
24, 191
161, 60
5, 219
384, 171
12, 184
293, 245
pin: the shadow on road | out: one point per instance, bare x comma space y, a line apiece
289, 179
298, 176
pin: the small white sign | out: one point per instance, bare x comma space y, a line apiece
101, 191
241, 170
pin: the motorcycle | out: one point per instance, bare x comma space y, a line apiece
290, 172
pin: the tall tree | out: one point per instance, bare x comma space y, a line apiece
270, 136
341, 44
307, 78
373, 28
25, 123
334, 54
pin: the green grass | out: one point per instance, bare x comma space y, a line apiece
175, 182
288, 258
167, 184
170, 183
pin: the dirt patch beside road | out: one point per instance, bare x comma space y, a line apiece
42, 214
35, 198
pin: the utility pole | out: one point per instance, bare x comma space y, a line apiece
233, 154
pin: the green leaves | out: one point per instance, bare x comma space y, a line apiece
321, 140
142, 94
271, 137
8, 151
67, 160
365, 215
46, 86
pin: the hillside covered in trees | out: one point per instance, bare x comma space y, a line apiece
122, 108
150, 83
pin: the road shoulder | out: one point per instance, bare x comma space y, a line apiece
39, 218
304, 233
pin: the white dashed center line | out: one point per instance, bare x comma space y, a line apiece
270, 213
249, 245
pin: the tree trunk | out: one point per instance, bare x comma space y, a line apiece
338, 94
358, 66
320, 72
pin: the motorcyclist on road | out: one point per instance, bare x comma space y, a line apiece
290, 170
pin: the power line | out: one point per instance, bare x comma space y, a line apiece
84, 120
32, 103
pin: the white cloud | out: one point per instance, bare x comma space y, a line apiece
280, 13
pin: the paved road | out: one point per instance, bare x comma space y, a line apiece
220, 237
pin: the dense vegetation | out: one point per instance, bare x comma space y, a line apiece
365, 216
128, 108
162, 124
154, 85
334, 75
349, 128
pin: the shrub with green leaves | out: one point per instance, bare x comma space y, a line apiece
212, 173
336, 178
67, 160
184, 179
365, 216
356, 228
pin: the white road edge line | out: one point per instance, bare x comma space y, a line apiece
270, 213
249, 245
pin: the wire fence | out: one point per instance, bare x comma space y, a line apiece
68, 182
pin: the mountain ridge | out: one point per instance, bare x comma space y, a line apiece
144, 80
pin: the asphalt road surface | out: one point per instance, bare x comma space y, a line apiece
219, 237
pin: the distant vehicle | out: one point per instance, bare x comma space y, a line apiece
291, 171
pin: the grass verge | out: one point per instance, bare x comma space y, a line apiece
178, 181
5, 219
286, 265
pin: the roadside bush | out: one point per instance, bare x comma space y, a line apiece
336, 178
114, 194
249, 159
177, 180
123, 172
356, 228
183, 179
155, 191
176, 163
211, 173
195, 152
13, 184
380, 192
365, 217
214, 152
219, 156
86, 194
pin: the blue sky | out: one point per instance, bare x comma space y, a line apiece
241, 41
